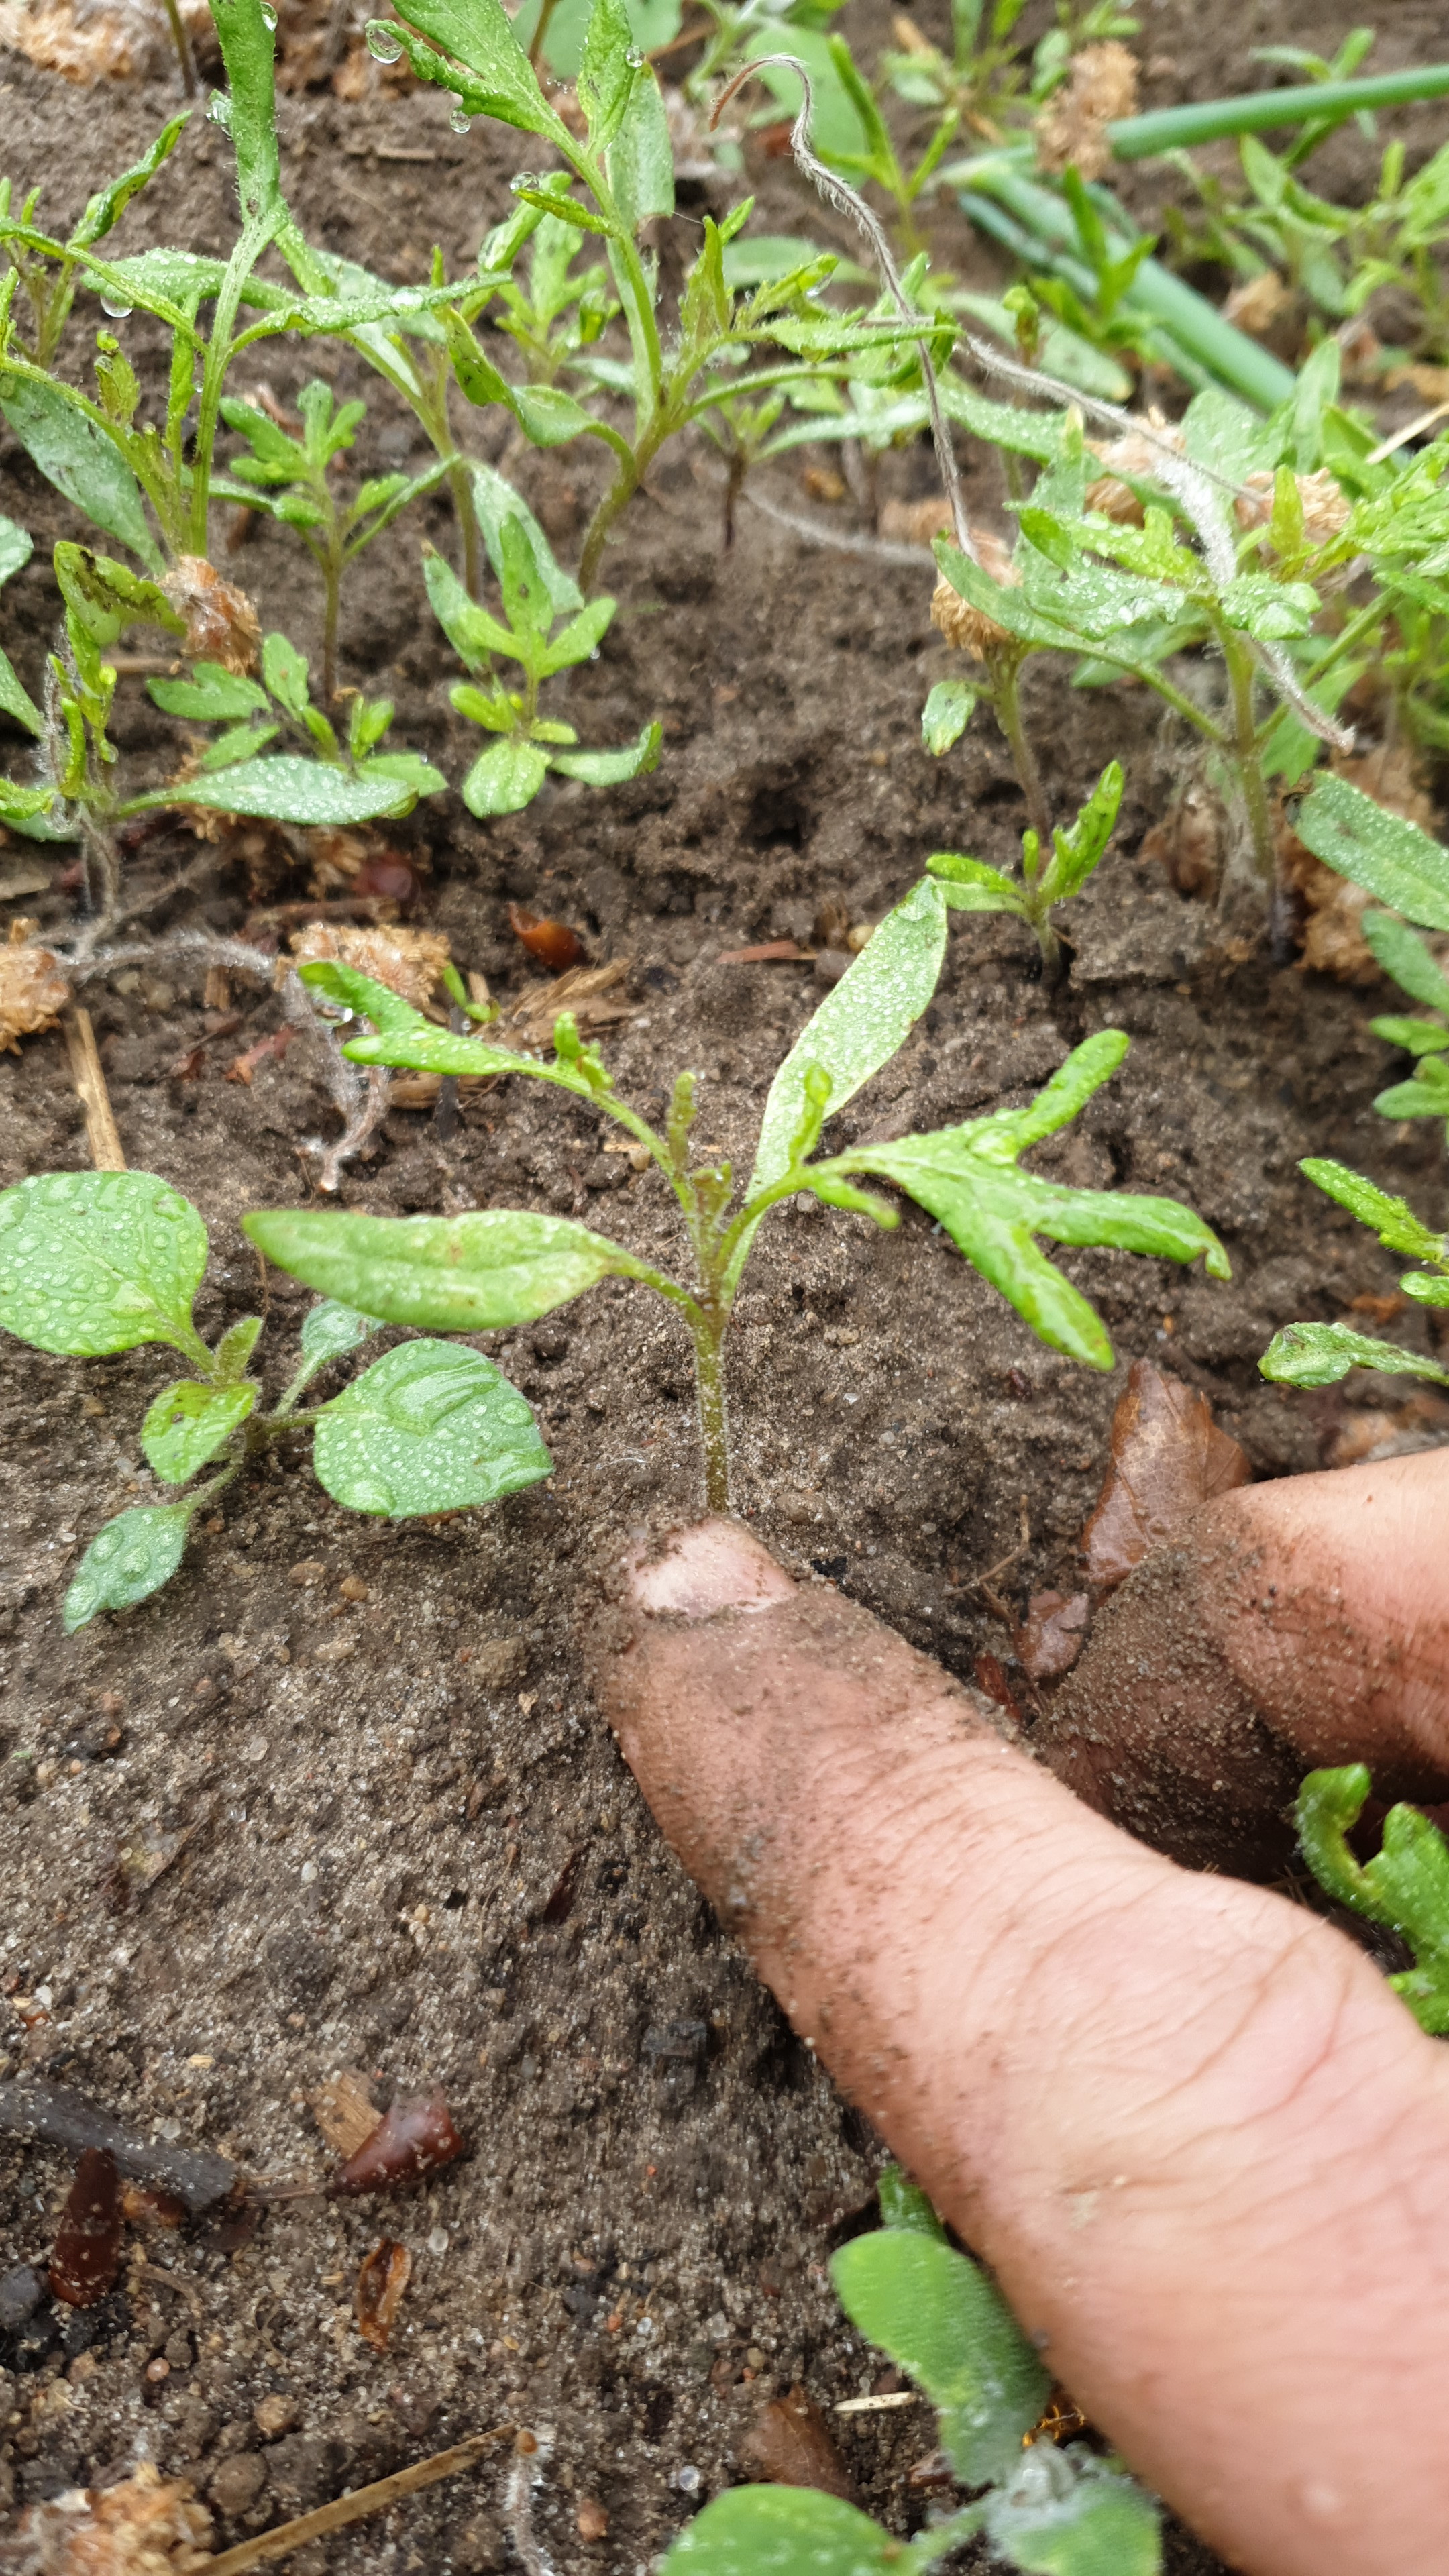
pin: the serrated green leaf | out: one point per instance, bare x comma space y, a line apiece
430, 1427
210, 696
1394, 859
1392, 1220
127, 1560
284, 670
471, 631
288, 788
943, 2320
1076, 852
580, 637
329, 1331
1416, 1037
477, 34
496, 503
1404, 955
354, 991
969, 885
80, 460
1271, 611
248, 45
1405, 1884
189, 1422
859, 1026
504, 778
605, 73
611, 768
105, 209
946, 714
1066, 2513
640, 160
1320, 1354
1425, 1095
783, 2531
94, 1262
463, 1274
238, 743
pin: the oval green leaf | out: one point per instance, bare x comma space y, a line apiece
290, 789
80, 460
132, 1556
1067, 2514
1358, 839
942, 2318
459, 1274
859, 1026
329, 1331
505, 777
430, 1427
783, 2531
92, 1262
188, 1423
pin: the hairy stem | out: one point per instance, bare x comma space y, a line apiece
1244, 753
182, 42
1006, 701
707, 1325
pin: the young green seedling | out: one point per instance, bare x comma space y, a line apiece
1405, 1885
940, 2318
97, 1262
16, 549
535, 593
970, 885
502, 1266
336, 780
1319, 1354
290, 478
1403, 866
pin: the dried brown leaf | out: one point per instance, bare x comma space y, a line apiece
221, 623
1071, 131
33, 989
409, 962
381, 2281
1053, 1633
582, 991
551, 942
790, 2443
1168, 1459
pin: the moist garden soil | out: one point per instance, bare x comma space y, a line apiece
266, 1827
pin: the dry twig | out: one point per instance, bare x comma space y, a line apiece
88, 1075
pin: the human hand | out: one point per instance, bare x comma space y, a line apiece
1196, 2136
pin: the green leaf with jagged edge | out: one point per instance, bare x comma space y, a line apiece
187, 1423
247, 32
606, 71
478, 35
946, 714
1405, 1885
496, 503
330, 1331
1392, 1220
796, 2531
1069, 2513
1416, 1037
969, 885
95, 1262
105, 209
1397, 862
22, 806
1075, 853
640, 160
941, 2318
351, 990
127, 1560
460, 1274
1404, 955
232, 1353
473, 633
610, 768
212, 695
430, 1427
288, 788
859, 1026
1424, 1095
1320, 1354
80, 460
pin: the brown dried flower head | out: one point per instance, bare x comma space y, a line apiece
221, 623
144, 2527
33, 989
1071, 131
1325, 506
1136, 454
1332, 935
1257, 303
409, 962
970, 629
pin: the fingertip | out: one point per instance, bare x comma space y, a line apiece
715, 1566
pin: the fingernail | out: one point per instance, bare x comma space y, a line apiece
715, 1566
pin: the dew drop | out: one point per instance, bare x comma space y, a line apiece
218, 110
635, 58
460, 121
525, 179
269, 17
115, 303
382, 44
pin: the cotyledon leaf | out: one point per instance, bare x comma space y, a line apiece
785, 2531
291, 789
187, 1423
131, 1557
458, 1274
329, 1331
942, 2318
430, 1427
860, 1025
92, 1262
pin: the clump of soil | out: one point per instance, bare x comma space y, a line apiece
338, 1797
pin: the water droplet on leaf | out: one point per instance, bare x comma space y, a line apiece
634, 57
460, 121
382, 44
525, 179
115, 303
269, 17
218, 110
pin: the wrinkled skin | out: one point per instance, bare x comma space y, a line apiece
1198, 2138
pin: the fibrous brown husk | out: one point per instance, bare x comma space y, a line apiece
144, 2527
1325, 504
1168, 1459
92, 44
1333, 940
1071, 132
33, 989
409, 962
1256, 304
1135, 453
968, 628
221, 623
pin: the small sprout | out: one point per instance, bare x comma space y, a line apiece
1313, 1355
87, 2252
1405, 1885
414, 2137
381, 2281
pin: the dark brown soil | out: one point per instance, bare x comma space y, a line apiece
398, 1838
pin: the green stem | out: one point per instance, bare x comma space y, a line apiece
707, 1325
219, 355
1171, 129
1006, 703
1244, 752
332, 579
182, 43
